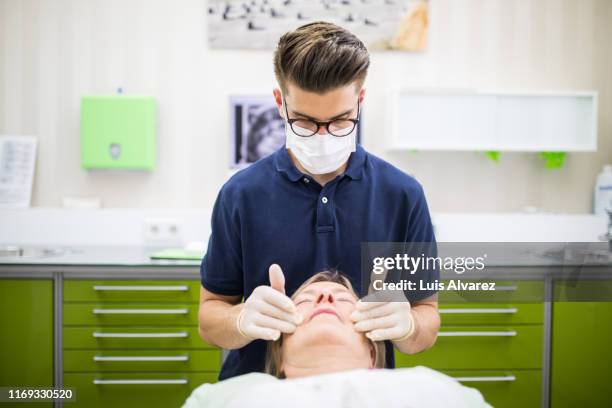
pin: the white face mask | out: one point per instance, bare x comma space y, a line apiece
320, 154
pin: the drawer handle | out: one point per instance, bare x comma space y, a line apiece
509, 310
139, 335
140, 358
507, 333
485, 379
507, 288
140, 311
98, 381
108, 288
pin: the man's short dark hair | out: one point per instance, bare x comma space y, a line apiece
319, 57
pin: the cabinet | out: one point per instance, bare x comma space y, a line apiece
494, 346
581, 345
493, 120
134, 342
26, 344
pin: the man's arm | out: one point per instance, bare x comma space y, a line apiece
427, 323
217, 320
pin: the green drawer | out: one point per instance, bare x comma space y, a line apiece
142, 360
125, 291
505, 292
153, 390
480, 347
117, 337
491, 313
133, 314
509, 388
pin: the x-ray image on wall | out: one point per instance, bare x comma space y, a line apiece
258, 24
257, 129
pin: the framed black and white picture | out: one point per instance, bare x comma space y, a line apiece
257, 129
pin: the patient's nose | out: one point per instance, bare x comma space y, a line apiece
325, 297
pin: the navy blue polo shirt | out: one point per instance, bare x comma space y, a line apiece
271, 213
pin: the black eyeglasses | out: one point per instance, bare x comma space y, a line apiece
309, 127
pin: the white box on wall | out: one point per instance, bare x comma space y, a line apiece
526, 121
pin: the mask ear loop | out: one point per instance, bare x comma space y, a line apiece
285, 109
288, 129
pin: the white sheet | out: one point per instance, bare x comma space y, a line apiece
398, 388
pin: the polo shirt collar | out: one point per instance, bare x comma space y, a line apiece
356, 163
285, 165
354, 170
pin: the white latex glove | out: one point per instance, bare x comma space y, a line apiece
268, 312
384, 320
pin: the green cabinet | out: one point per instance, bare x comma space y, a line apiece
509, 388
134, 342
150, 390
581, 346
481, 348
492, 342
26, 344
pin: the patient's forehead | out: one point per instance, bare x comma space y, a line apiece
316, 287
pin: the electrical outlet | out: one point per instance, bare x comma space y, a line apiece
166, 232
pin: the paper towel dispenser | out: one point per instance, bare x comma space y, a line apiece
118, 132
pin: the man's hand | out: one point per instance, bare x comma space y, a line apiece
383, 315
268, 312
384, 320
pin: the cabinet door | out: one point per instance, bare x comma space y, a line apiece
26, 343
128, 390
507, 388
480, 348
581, 348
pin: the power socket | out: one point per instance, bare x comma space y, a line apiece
163, 231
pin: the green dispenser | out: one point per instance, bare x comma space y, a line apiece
118, 132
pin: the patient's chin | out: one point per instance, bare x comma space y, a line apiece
324, 332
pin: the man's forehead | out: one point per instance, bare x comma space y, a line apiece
321, 106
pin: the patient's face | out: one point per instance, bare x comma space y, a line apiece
326, 307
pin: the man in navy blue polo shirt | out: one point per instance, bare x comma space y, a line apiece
308, 208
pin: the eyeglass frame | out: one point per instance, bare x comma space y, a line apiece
319, 124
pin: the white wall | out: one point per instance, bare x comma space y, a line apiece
52, 51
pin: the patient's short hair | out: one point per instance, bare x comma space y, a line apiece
274, 354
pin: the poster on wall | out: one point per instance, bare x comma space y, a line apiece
257, 129
400, 25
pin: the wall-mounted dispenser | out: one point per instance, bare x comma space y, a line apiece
118, 132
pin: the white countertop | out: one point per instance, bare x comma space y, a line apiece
114, 237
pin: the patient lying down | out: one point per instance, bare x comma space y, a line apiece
326, 362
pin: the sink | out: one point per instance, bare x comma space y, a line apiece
17, 251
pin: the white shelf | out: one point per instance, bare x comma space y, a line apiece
523, 121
